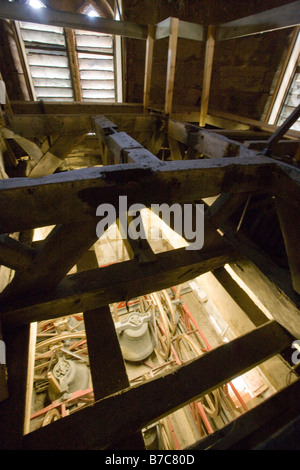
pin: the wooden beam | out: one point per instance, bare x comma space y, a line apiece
221, 119
14, 254
34, 107
148, 67
263, 421
118, 282
50, 265
174, 149
71, 20
74, 64
210, 371
172, 51
285, 16
186, 30
162, 29
269, 283
54, 156
32, 126
192, 31
208, 65
105, 357
210, 144
12, 410
282, 147
81, 191
243, 300
23, 59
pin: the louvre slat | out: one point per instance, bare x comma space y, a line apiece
50, 72
41, 27
52, 82
97, 75
98, 94
98, 84
94, 41
43, 38
93, 64
47, 59
55, 92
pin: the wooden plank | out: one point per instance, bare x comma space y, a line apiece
73, 61
269, 20
211, 370
172, 51
208, 65
249, 429
148, 67
115, 283
71, 20
83, 190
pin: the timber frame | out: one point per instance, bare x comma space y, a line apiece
202, 163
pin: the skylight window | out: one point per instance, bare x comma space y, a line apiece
36, 4
90, 11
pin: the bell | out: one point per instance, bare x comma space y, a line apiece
137, 343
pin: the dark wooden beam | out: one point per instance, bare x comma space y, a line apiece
210, 371
240, 297
12, 410
250, 429
34, 107
107, 366
75, 195
208, 143
118, 282
71, 20
14, 254
54, 258
285, 16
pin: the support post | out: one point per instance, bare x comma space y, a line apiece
209, 54
174, 25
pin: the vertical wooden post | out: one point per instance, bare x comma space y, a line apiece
209, 54
73, 61
148, 67
174, 25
